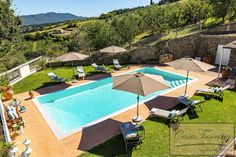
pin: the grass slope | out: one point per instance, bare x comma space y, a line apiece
156, 142
40, 79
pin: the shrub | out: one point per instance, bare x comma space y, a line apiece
4, 80
227, 68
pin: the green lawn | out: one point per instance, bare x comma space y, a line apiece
41, 79
156, 142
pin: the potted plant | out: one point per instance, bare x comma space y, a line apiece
226, 72
6, 148
31, 94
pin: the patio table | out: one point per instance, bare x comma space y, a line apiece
127, 129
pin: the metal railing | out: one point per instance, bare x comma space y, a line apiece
20, 72
6, 132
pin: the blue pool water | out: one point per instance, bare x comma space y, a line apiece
76, 107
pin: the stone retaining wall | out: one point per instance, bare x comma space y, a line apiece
195, 45
209, 43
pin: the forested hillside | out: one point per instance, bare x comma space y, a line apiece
50, 17
122, 27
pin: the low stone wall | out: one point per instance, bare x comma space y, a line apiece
209, 44
184, 46
222, 29
195, 45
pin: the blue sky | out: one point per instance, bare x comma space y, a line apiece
78, 7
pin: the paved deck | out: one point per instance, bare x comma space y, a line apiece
45, 144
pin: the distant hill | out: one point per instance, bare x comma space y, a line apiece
50, 17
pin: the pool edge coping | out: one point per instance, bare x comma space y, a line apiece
59, 135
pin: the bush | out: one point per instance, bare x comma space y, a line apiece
4, 80
30, 36
42, 63
102, 34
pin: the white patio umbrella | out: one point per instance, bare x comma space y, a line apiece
113, 49
71, 57
190, 64
139, 83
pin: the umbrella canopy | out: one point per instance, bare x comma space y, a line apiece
140, 84
190, 64
113, 49
231, 45
71, 56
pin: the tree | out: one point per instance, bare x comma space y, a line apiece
156, 20
126, 27
197, 11
101, 34
79, 42
166, 1
9, 23
222, 7
176, 16
151, 2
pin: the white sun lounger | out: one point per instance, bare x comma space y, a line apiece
80, 72
173, 115
56, 78
100, 68
216, 90
117, 64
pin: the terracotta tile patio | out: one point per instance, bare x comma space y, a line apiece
45, 144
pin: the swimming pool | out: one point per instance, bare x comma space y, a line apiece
67, 111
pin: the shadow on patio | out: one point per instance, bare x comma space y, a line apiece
98, 76
49, 87
162, 102
98, 133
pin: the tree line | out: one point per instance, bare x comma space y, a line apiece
155, 19
118, 27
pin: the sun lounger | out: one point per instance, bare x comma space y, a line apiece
100, 68
12, 118
80, 72
190, 103
213, 91
117, 64
56, 78
173, 115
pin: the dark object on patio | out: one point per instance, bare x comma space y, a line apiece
226, 72
190, 103
207, 97
207, 58
235, 83
132, 134
192, 114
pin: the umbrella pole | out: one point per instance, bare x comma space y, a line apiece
137, 106
137, 118
186, 86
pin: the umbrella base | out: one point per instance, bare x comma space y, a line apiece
74, 81
184, 95
137, 119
